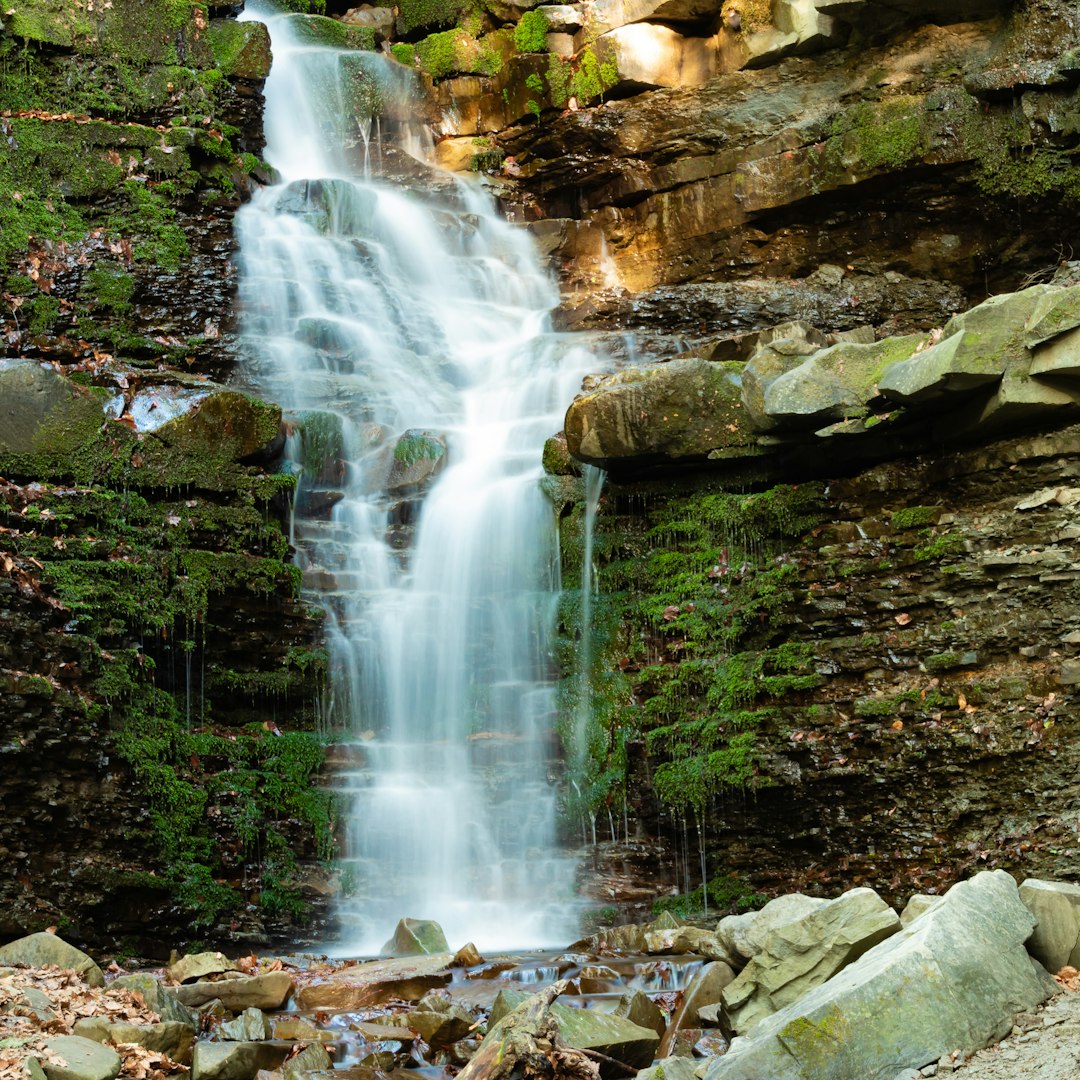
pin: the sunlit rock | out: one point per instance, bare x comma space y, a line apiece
406, 978
651, 54
1056, 907
194, 966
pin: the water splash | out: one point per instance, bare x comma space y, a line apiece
392, 325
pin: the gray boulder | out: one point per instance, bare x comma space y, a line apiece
671, 1068
954, 979
250, 1026
159, 998
976, 349
417, 937
235, 1060
1056, 907
684, 409
835, 384
800, 955
169, 1037
266, 991
38, 950
1055, 313
744, 935
85, 1059
1059, 357
706, 990
192, 966
919, 903
776, 352
640, 1009
407, 978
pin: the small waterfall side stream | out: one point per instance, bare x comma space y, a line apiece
407, 333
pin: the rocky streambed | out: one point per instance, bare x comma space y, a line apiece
804, 987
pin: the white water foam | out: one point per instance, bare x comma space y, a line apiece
368, 311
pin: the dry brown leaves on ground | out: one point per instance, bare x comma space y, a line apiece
1068, 978
72, 1000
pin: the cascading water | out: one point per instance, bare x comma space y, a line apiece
409, 337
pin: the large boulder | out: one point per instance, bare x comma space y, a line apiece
225, 424
419, 456
39, 950
1060, 356
652, 55
1056, 312
192, 966
835, 384
744, 936
235, 1060
775, 352
686, 939
170, 1037
706, 989
407, 978
954, 979
43, 413
681, 410
976, 349
84, 1059
800, 955
266, 991
1056, 907
604, 15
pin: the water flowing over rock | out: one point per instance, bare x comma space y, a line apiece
397, 313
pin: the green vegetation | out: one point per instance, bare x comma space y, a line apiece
456, 52
530, 34
913, 517
143, 580
675, 605
416, 15
591, 78
725, 892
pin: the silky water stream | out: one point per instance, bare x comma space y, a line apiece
404, 326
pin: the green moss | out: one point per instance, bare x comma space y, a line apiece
938, 547
456, 52
913, 517
404, 53
416, 15
725, 892
591, 78
530, 34
559, 74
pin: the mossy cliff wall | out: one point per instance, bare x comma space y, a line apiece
160, 677
865, 680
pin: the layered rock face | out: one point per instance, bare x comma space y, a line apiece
160, 675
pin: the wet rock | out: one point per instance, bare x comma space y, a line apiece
629, 938
408, 978
266, 991
1056, 907
244, 48
682, 410
705, 991
38, 950
686, 939
250, 1026
640, 1009
467, 956
419, 456
799, 955
379, 19
580, 1028
235, 1060
198, 965
86, 1059
954, 978
312, 1059
226, 425
320, 30
440, 1027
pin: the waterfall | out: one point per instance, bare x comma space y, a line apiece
404, 326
